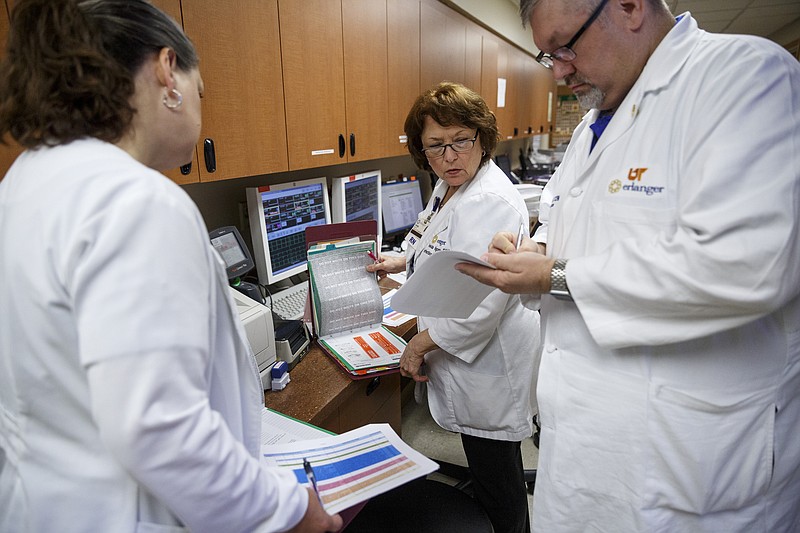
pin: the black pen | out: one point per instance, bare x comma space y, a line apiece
312, 478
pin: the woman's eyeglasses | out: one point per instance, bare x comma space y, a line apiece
458, 147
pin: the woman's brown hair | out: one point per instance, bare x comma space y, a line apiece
69, 67
450, 104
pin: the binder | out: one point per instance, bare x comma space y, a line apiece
346, 302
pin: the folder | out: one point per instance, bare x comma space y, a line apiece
346, 302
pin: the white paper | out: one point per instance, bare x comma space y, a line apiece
437, 289
354, 466
277, 428
501, 92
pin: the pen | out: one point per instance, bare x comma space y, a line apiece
372, 256
312, 478
520, 234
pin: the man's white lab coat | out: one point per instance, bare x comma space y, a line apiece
669, 391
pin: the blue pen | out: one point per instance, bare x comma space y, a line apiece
312, 478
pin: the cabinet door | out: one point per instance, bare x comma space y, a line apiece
442, 45
313, 80
10, 151
366, 79
239, 47
403, 52
472, 57
173, 9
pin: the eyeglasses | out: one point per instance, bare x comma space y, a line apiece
458, 147
565, 53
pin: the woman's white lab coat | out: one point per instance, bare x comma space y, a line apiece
669, 391
480, 379
129, 399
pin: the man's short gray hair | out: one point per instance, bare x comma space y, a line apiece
526, 7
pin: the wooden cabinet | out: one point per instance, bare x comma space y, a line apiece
243, 117
10, 151
336, 109
403, 69
365, 32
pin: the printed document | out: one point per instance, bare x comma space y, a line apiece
354, 466
437, 289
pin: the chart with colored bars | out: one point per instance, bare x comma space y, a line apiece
353, 467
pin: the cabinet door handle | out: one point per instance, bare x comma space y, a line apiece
352, 144
209, 155
516, 132
376, 381
341, 145
186, 169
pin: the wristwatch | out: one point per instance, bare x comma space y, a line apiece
558, 281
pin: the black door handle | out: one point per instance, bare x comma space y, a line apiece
341, 145
352, 144
376, 381
209, 155
186, 169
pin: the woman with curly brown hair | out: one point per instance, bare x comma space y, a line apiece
129, 400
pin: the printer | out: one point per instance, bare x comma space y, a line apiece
257, 321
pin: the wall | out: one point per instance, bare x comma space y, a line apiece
501, 16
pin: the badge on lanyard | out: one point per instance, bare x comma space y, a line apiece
414, 236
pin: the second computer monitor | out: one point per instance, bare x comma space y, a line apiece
357, 197
279, 215
402, 204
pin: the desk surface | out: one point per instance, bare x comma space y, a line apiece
319, 386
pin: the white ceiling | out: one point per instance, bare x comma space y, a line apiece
755, 17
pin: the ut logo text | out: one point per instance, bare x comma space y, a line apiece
635, 174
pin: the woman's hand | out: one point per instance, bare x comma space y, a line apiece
316, 520
387, 265
414, 356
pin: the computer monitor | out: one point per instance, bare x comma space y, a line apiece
402, 204
357, 197
279, 215
504, 162
228, 242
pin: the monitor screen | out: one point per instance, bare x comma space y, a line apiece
402, 204
279, 215
504, 162
231, 247
357, 197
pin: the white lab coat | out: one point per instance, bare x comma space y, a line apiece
129, 399
672, 383
480, 379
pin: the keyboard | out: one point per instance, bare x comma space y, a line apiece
290, 304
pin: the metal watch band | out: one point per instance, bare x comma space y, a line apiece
558, 280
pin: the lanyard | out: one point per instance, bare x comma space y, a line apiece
415, 235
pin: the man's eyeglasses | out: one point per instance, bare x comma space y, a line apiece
565, 53
458, 147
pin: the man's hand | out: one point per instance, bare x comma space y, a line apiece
519, 271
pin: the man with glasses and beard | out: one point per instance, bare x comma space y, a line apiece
667, 268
